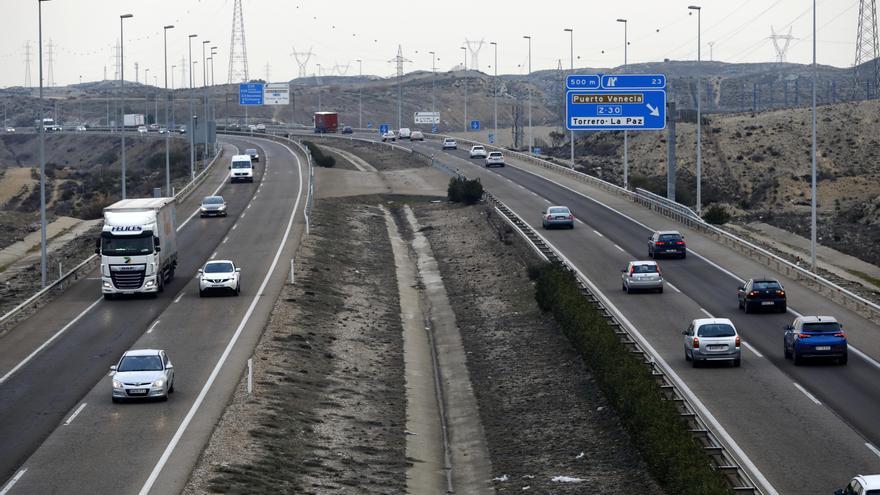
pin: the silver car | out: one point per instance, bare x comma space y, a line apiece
213, 206
711, 339
142, 374
557, 216
642, 275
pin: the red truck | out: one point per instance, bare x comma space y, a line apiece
326, 122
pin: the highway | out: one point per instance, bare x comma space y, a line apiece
773, 410
59, 427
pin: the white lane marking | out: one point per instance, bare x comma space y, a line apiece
154, 475
177, 299
249, 206
598, 233
619, 248
749, 347
873, 449
225, 239
578, 220
75, 414
150, 330
809, 395
533, 193
234, 226
242, 214
547, 201
213, 255
49, 341
673, 287
13, 481
706, 313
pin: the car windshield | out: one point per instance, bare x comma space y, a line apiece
241, 164
218, 268
126, 245
558, 211
670, 237
140, 363
447, 140
213, 200
495, 154
717, 330
822, 327
251, 151
478, 148
644, 269
766, 285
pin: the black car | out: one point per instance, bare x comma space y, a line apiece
347, 130
761, 293
666, 243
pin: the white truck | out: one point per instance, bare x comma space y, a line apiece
133, 120
138, 246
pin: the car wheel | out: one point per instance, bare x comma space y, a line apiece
797, 359
783, 309
115, 400
736, 363
623, 287
842, 361
201, 293
171, 388
660, 290
684, 255
650, 254
694, 362
238, 289
739, 304
109, 297
746, 307
571, 227
786, 352
164, 398
626, 289
687, 357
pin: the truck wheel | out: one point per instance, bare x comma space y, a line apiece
109, 297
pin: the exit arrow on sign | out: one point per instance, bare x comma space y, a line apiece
655, 112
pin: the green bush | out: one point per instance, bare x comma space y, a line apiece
716, 215
319, 157
467, 191
673, 457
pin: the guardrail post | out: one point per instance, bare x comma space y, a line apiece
250, 376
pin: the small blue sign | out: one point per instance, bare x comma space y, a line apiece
536, 151
475, 125
250, 94
434, 129
615, 110
369, 125
589, 81
383, 128
491, 138
634, 81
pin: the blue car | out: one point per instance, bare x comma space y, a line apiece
815, 337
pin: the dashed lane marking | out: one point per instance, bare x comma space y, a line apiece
809, 395
75, 414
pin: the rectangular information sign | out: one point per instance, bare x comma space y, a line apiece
250, 94
276, 94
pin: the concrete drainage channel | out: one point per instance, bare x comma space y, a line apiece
717, 452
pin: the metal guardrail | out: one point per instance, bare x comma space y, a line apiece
88, 264
718, 454
685, 216
672, 205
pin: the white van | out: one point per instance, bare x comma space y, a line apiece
241, 169
404, 133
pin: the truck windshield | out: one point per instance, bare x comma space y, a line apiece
126, 246
241, 164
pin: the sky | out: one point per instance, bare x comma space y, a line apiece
338, 32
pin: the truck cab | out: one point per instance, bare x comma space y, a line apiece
241, 169
138, 246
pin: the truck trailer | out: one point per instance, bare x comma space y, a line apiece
138, 246
326, 122
133, 120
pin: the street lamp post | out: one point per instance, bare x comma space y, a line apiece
42, 154
433, 81
205, 97
192, 151
570, 31
360, 93
122, 92
699, 167
167, 122
813, 156
495, 91
465, 89
625, 134
319, 86
531, 136
146, 97
192, 127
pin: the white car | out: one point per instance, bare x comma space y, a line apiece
389, 136
261, 128
153, 127
80, 128
861, 485
642, 275
404, 133
10, 129
219, 276
494, 159
417, 136
142, 129
711, 339
252, 127
142, 374
449, 144
163, 130
478, 151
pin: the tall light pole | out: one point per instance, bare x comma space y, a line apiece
192, 150
194, 120
205, 99
699, 168
360, 93
465, 89
531, 136
570, 31
122, 91
213, 52
495, 91
433, 80
625, 134
42, 154
147, 97
319, 86
172, 76
167, 122
813, 153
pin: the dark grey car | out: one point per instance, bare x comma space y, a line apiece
213, 206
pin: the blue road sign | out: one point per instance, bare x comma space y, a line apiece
250, 94
475, 125
434, 129
633, 81
606, 109
491, 138
369, 125
383, 128
589, 81
536, 151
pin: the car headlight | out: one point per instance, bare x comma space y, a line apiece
107, 284
158, 383
150, 283
221, 207
203, 208
117, 384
